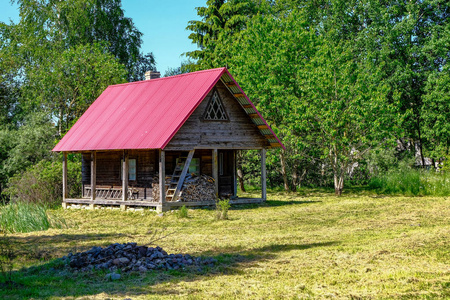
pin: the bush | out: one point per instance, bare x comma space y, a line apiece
222, 207
42, 183
27, 217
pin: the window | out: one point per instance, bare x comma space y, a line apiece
215, 110
131, 169
194, 166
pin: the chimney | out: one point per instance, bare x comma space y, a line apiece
149, 75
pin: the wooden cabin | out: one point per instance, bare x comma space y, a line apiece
139, 136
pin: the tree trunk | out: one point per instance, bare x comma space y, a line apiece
338, 183
283, 170
240, 173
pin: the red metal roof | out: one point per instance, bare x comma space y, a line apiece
142, 115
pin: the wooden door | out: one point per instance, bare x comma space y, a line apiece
225, 164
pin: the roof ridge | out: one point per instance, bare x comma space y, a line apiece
165, 78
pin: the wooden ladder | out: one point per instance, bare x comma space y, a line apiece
179, 174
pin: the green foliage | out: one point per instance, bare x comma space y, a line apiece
61, 25
66, 84
22, 147
220, 20
27, 217
42, 184
222, 207
183, 212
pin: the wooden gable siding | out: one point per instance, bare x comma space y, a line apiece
239, 132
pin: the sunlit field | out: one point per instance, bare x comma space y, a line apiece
295, 246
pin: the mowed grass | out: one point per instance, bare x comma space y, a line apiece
312, 245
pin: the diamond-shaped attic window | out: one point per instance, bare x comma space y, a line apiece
215, 110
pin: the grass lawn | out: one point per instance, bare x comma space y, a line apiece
308, 245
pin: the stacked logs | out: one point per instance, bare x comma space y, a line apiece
195, 188
198, 188
155, 187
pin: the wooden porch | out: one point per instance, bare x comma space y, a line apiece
165, 198
152, 204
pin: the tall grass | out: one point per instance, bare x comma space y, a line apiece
412, 183
27, 217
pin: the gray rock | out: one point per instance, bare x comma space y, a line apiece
142, 269
112, 276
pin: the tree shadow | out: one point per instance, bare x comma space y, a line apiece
51, 280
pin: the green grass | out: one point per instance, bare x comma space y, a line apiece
27, 217
412, 183
308, 245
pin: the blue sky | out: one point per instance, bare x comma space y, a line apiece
163, 24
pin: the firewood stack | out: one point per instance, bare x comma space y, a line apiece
155, 187
195, 188
198, 188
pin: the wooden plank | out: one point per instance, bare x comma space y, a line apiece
254, 116
65, 193
111, 202
125, 175
247, 106
275, 145
162, 177
213, 202
93, 174
230, 84
183, 175
155, 204
263, 127
238, 95
215, 169
263, 175
269, 136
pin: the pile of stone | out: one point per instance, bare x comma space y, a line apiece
131, 257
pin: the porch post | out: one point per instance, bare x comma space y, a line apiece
162, 181
125, 176
263, 175
234, 175
64, 173
215, 171
93, 174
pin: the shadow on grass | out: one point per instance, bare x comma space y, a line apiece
51, 280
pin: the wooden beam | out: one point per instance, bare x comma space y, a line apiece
125, 175
64, 172
215, 171
263, 127
238, 95
234, 174
269, 136
93, 174
275, 145
247, 106
230, 84
162, 177
263, 175
254, 116
183, 175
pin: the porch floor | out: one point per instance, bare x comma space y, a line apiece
149, 203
